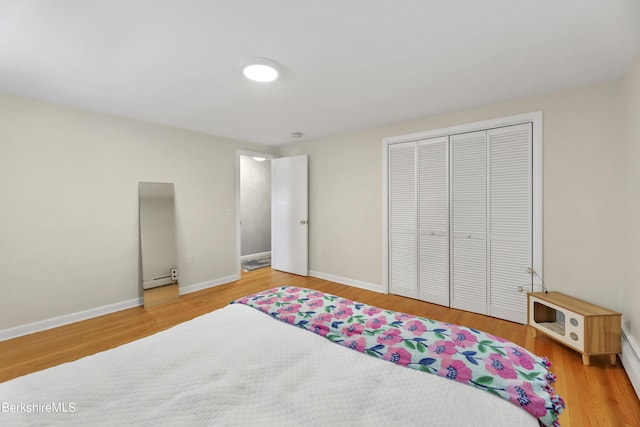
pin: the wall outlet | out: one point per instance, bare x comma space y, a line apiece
174, 274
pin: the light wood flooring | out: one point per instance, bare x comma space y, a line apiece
595, 395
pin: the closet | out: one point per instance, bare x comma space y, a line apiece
460, 219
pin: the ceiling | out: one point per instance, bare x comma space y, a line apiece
347, 65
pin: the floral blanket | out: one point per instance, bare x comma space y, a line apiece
462, 354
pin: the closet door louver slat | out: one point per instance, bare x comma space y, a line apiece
469, 222
510, 234
433, 221
403, 245
403, 264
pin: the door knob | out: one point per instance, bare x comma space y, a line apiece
303, 222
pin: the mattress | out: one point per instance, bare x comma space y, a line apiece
238, 366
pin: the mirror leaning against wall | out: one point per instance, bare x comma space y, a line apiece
158, 243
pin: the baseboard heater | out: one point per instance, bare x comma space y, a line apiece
630, 358
158, 281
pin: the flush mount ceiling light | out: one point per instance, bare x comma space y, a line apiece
259, 159
261, 70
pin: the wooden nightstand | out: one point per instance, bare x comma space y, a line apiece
585, 327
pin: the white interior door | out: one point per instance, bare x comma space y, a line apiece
289, 214
403, 273
477, 191
468, 211
510, 221
433, 220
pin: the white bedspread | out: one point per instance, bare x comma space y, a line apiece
237, 366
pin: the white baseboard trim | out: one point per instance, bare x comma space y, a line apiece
630, 358
256, 255
209, 284
346, 281
54, 322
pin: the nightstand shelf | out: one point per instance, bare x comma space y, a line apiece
585, 327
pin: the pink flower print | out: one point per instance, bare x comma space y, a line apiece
398, 355
265, 301
416, 327
518, 357
359, 344
289, 297
455, 370
289, 308
345, 301
443, 347
376, 322
320, 329
498, 365
323, 317
524, 396
462, 337
289, 318
293, 290
390, 337
353, 329
404, 316
315, 294
370, 311
315, 303
343, 312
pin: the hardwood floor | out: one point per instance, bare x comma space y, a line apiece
596, 395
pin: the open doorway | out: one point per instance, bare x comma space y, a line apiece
254, 210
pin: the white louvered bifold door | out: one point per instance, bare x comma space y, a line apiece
403, 236
433, 221
510, 238
469, 222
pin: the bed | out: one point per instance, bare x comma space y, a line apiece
293, 356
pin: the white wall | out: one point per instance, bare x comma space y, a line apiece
69, 196
582, 191
345, 189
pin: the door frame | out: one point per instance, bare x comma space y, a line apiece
535, 118
239, 153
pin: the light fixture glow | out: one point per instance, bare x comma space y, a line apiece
259, 159
261, 70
